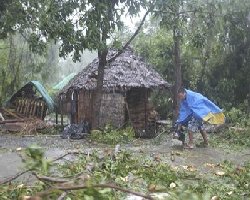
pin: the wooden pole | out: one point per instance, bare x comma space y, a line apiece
34, 109
31, 107
25, 107
18, 105
145, 110
22, 106
11, 121
56, 115
77, 107
61, 109
42, 109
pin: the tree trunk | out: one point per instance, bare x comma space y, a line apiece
102, 55
3, 86
11, 64
178, 75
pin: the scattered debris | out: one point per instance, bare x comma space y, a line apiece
25, 126
26, 109
1, 117
172, 185
220, 173
75, 131
237, 128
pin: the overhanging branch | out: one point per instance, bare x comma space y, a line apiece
131, 39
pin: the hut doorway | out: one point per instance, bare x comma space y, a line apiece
141, 112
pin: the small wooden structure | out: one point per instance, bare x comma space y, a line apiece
128, 82
27, 108
30, 101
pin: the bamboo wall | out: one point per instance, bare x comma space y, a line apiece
85, 106
112, 110
140, 111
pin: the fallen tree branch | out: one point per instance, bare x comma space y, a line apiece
79, 187
237, 128
69, 153
42, 135
75, 175
14, 177
50, 179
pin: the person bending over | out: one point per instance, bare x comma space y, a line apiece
195, 112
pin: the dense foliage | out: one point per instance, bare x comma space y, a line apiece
18, 65
214, 48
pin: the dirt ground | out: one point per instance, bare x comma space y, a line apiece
163, 147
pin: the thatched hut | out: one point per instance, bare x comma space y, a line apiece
128, 82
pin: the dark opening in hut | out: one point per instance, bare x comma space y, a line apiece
128, 82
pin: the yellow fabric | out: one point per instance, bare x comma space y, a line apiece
217, 118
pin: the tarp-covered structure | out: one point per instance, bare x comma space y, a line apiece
64, 82
128, 81
31, 100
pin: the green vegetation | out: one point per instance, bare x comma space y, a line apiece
233, 139
96, 173
109, 135
236, 133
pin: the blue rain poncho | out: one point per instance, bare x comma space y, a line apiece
199, 107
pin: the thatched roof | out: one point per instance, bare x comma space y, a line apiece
125, 72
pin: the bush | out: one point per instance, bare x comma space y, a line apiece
110, 135
237, 117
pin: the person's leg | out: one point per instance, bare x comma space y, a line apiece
190, 144
202, 128
204, 136
182, 137
191, 138
191, 128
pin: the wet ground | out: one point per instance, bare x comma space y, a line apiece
162, 148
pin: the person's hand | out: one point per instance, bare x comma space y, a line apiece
178, 127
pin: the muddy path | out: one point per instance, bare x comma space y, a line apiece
162, 148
